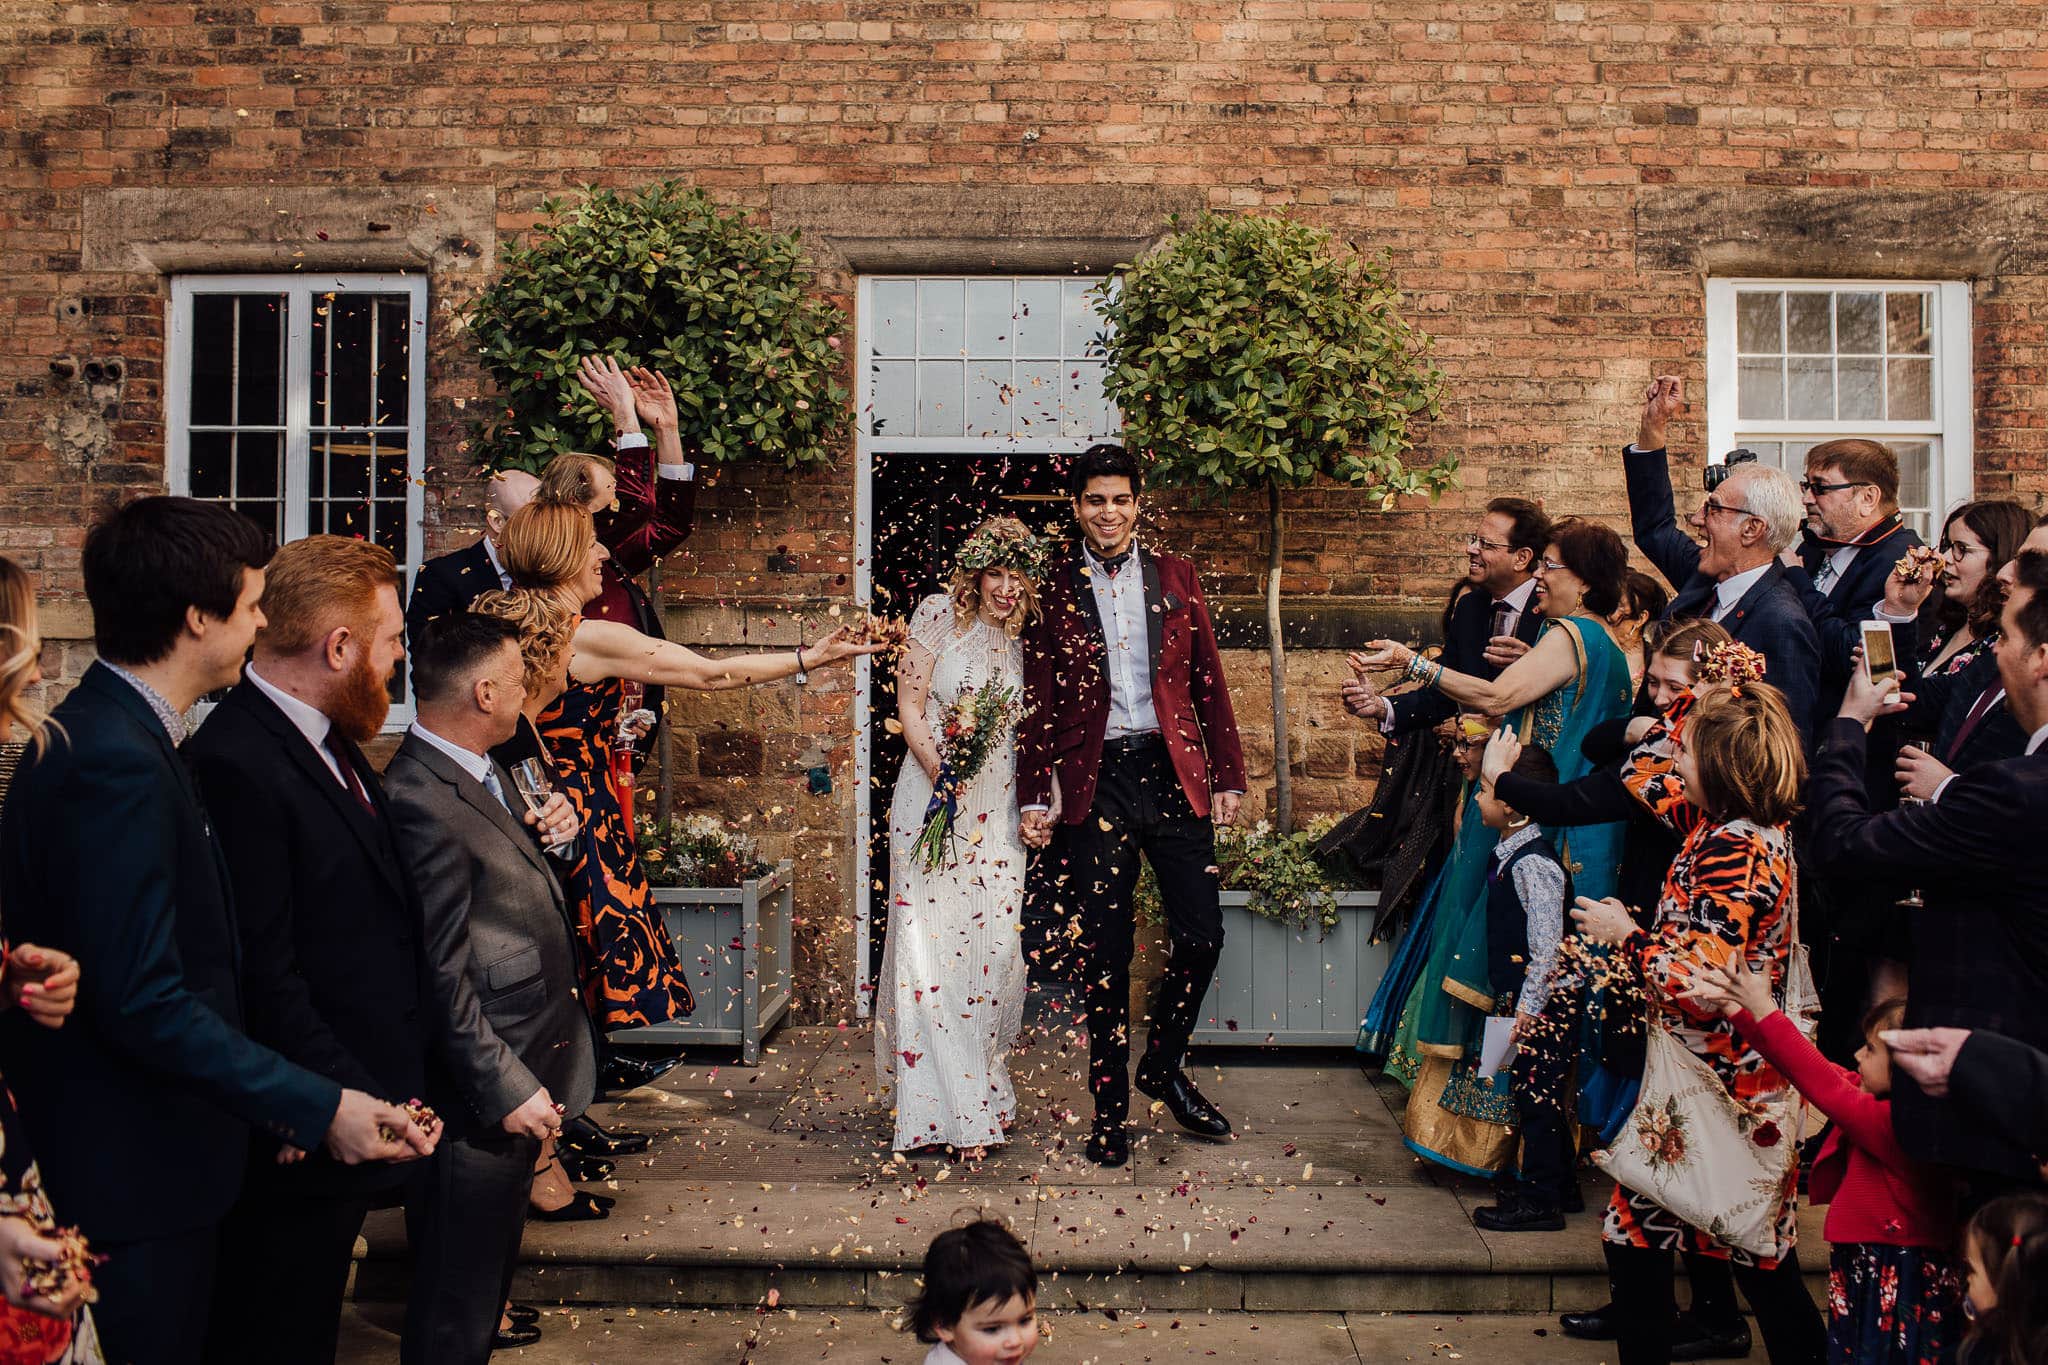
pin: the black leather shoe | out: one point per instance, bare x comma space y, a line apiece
1597, 1325
582, 1136
585, 1170
1517, 1217
1185, 1102
517, 1335
629, 1071
1109, 1146
1692, 1339
522, 1314
583, 1207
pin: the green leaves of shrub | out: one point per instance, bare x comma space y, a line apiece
664, 278
1248, 351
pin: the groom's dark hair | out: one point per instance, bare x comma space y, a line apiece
1104, 460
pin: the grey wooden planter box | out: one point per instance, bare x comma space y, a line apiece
734, 942
1283, 987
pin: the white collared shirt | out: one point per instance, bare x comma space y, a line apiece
2040, 737
498, 565
635, 440
1729, 591
1836, 564
1120, 603
307, 719
476, 765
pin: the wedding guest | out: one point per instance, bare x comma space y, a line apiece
1734, 577
1980, 940
1485, 629
43, 984
1643, 601
1724, 770
1999, 1080
450, 582
140, 1108
1128, 718
1894, 1294
328, 919
504, 1010
979, 1301
634, 976
2007, 1247
1977, 540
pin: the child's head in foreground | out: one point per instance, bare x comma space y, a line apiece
980, 1295
2006, 1246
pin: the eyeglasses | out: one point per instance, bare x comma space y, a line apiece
1549, 565
1957, 549
1817, 488
1476, 541
1713, 505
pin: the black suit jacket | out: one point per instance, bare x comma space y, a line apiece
2006, 1083
139, 1108
1836, 614
1464, 652
1942, 702
1980, 944
449, 583
1770, 618
330, 927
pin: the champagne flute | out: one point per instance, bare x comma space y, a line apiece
530, 776
1912, 900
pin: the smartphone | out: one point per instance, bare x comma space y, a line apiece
1880, 662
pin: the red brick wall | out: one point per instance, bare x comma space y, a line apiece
1509, 154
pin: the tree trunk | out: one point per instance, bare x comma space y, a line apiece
1283, 778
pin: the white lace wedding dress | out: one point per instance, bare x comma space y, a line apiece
950, 1000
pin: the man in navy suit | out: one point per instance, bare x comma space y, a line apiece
1490, 627
1980, 942
449, 583
1734, 577
140, 1110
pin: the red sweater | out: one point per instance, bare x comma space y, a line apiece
1873, 1190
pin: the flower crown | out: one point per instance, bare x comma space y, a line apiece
990, 548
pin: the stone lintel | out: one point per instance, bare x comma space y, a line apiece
1843, 234
194, 228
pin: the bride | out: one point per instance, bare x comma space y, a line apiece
950, 999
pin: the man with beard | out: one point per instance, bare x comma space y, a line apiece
329, 922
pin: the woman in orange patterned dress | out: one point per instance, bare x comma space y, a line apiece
635, 978
1724, 770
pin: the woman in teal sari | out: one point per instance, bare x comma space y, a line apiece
1574, 678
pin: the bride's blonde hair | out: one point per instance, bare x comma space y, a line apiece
998, 543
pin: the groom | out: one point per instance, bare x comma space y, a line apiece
1128, 719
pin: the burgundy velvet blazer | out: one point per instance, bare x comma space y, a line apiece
1066, 688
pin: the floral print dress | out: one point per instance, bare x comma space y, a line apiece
1728, 895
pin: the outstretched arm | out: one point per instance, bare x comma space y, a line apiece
607, 649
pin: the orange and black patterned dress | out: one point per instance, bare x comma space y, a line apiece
635, 977
1727, 896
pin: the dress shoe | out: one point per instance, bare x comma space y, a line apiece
630, 1070
583, 1136
517, 1335
1109, 1146
1517, 1217
1692, 1339
585, 1170
1596, 1325
583, 1207
1185, 1102
522, 1314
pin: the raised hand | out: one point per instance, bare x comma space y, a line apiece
1662, 402
1920, 773
605, 382
1731, 988
357, 1133
1363, 700
1502, 749
1379, 655
1904, 596
653, 399
1865, 700
840, 644
42, 981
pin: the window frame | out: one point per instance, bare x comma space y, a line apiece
301, 290
1949, 428
866, 447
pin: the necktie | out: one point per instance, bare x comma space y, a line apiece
1986, 699
1113, 563
495, 787
1824, 576
338, 747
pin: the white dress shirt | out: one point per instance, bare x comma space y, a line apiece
307, 719
498, 565
1729, 591
1832, 568
635, 440
1120, 603
2040, 737
476, 765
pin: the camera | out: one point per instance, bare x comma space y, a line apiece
1715, 474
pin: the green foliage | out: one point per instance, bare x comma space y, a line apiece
698, 851
667, 279
1281, 872
1248, 353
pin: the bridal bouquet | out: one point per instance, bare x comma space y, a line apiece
973, 727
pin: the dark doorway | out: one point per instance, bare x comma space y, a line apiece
924, 506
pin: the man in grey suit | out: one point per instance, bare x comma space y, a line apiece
510, 1026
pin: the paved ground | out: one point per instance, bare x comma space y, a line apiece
672, 1337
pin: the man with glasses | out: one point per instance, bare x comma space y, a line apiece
1731, 574
1490, 627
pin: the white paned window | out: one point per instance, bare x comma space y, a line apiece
301, 401
1793, 363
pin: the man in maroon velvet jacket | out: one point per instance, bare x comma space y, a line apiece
1128, 745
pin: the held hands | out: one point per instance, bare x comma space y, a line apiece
556, 820
1928, 1055
1603, 921
1034, 827
1663, 401
606, 383
539, 1118
1920, 773
1732, 988
20, 1243
1865, 700
42, 981
1502, 749
357, 1133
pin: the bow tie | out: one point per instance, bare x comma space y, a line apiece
1111, 563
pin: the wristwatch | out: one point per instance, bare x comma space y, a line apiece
803, 675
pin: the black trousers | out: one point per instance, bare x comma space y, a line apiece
1793, 1330
1546, 1104
464, 1221
1139, 809
283, 1269
154, 1297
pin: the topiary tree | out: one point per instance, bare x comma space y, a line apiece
1250, 353
663, 278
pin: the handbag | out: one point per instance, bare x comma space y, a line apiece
1722, 1166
